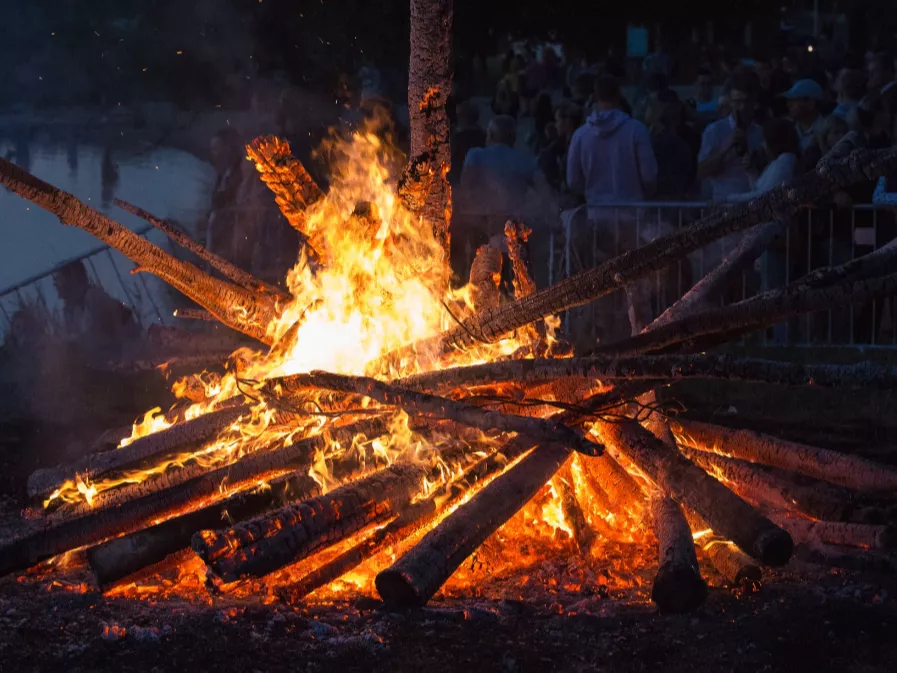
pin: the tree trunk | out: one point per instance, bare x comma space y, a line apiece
728, 514
429, 86
265, 544
423, 403
121, 557
416, 576
235, 306
678, 586
831, 466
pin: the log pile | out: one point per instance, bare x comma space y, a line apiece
411, 457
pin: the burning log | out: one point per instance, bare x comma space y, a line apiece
782, 490
429, 86
485, 274
225, 268
416, 576
181, 436
678, 586
138, 513
831, 466
587, 286
656, 367
262, 545
624, 492
583, 535
121, 557
737, 568
728, 514
846, 557
423, 403
883, 538
235, 306
517, 233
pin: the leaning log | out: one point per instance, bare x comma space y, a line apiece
776, 489
831, 466
728, 514
678, 586
423, 403
429, 86
183, 436
163, 503
265, 544
235, 306
121, 557
416, 576
737, 568
868, 536
587, 286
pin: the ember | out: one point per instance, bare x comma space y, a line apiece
391, 433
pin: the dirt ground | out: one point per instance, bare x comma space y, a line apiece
802, 618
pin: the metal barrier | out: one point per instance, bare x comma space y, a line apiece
820, 237
37, 292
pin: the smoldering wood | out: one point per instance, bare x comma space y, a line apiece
262, 545
835, 467
583, 534
235, 306
689, 485
516, 234
485, 273
424, 403
678, 585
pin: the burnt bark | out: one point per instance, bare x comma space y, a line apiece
728, 514
429, 86
485, 274
238, 308
516, 234
678, 586
416, 576
423, 403
832, 466
265, 544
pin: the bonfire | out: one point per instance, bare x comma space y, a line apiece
390, 433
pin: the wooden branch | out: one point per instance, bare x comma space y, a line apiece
783, 490
265, 544
423, 403
224, 267
235, 306
832, 466
729, 322
517, 233
121, 557
485, 275
728, 514
181, 436
587, 286
658, 367
416, 576
162, 502
429, 86
678, 586
737, 568
868, 536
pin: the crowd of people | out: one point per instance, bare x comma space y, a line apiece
738, 132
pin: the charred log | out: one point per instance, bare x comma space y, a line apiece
485, 274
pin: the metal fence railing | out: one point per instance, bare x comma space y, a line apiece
106, 268
818, 237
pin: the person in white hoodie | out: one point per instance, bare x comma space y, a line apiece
610, 156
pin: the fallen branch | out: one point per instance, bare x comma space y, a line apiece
831, 466
423, 403
235, 306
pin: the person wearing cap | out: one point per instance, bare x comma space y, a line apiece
803, 107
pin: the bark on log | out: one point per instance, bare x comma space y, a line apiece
786, 491
235, 306
728, 514
721, 325
221, 265
429, 86
161, 503
181, 436
485, 274
737, 568
423, 403
586, 286
416, 576
265, 544
868, 536
831, 466
846, 557
678, 586
623, 490
655, 367
121, 557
